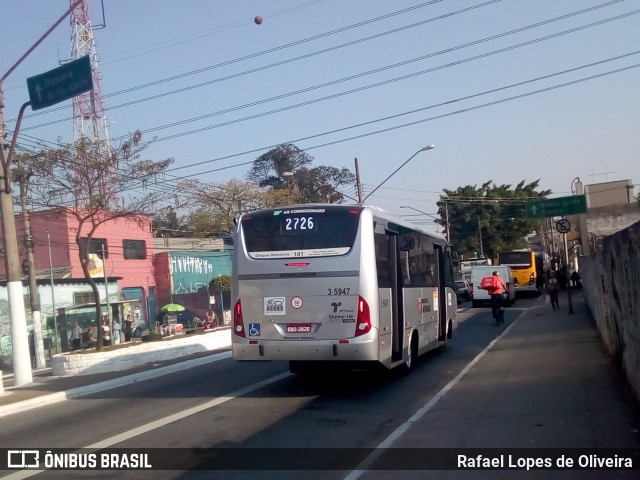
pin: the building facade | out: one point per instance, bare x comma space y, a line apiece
183, 277
120, 250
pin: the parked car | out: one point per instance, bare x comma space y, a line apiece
463, 291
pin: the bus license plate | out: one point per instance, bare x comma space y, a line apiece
299, 328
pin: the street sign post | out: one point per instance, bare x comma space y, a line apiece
60, 84
556, 207
563, 226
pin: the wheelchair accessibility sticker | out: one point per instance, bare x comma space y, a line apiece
274, 306
254, 329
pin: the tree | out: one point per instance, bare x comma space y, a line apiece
490, 218
269, 168
285, 170
166, 223
220, 285
321, 184
86, 182
217, 205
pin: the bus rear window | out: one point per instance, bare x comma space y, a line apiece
515, 259
302, 232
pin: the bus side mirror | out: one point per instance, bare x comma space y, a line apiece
454, 256
407, 244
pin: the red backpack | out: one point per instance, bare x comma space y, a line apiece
490, 283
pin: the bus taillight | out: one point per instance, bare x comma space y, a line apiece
238, 323
363, 320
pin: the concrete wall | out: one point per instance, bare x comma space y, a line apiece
78, 363
611, 282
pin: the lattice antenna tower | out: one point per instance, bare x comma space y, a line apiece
89, 119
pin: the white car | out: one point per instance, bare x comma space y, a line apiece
463, 291
482, 296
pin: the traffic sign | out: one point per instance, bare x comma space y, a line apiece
557, 207
563, 225
60, 84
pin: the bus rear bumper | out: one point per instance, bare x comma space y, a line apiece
318, 350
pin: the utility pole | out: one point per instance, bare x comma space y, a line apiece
480, 238
19, 337
106, 283
446, 216
358, 182
53, 295
29, 244
20, 343
106, 293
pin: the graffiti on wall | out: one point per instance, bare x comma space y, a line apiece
190, 264
192, 272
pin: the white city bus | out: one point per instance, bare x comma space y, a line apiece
351, 285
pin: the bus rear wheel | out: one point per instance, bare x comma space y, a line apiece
412, 354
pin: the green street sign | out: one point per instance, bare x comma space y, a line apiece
556, 207
60, 84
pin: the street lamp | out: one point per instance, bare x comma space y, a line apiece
423, 149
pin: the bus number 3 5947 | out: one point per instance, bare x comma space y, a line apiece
338, 291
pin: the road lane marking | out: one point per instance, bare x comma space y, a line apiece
422, 411
46, 400
121, 437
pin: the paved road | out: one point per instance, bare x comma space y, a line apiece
544, 382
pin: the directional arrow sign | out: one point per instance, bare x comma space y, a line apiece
60, 84
557, 207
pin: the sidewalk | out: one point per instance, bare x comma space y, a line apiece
47, 388
545, 383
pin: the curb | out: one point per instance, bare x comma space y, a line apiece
108, 384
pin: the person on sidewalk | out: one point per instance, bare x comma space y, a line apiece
88, 338
76, 334
497, 298
32, 348
128, 328
106, 331
553, 290
115, 328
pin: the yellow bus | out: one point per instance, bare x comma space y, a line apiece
526, 268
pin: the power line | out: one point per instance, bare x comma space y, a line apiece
376, 132
362, 74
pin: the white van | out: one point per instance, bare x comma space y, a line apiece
478, 273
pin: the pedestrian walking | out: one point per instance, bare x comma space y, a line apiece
541, 281
32, 348
553, 290
128, 328
76, 335
115, 328
106, 331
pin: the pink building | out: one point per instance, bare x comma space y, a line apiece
127, 243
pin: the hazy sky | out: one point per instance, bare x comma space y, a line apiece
507, 90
